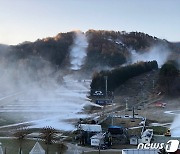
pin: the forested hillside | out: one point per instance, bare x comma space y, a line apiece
105, 48
118, 76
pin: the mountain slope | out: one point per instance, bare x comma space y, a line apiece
105, 48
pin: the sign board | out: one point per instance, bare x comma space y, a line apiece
104, 101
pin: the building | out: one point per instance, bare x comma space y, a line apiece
90, 128
139, 151
119, 134
134, 140
97, 140
87, 131
116, 130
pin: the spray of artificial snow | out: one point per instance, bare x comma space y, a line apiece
31, 87
175, 127
78, 51
158, 53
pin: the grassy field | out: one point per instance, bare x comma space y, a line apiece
12, 146
158, 130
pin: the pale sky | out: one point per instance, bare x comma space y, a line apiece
28, 20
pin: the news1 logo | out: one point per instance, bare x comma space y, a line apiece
172, 146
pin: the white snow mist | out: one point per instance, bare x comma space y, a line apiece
175, 127
33, 92
158, 53
78, 51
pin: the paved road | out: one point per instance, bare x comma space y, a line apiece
75, 149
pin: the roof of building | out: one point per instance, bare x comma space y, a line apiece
37, 149
140, 151
134, 136
90, 127
119, 127
98, 136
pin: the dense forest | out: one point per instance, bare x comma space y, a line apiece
118, 76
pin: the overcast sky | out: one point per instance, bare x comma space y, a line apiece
28, 20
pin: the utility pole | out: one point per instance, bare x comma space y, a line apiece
106, 78
133, 112
112, 120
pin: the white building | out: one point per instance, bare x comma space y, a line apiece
37, 149
139, 151
134, 140
97, 139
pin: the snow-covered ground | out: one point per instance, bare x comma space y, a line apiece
51, 108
